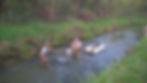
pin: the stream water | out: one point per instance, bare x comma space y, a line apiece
68, 70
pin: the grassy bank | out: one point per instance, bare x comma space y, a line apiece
132, 69
24, 39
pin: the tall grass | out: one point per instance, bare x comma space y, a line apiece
55, 31
59, 33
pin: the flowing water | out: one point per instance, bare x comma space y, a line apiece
68, 70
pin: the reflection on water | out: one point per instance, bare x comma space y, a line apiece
67, 70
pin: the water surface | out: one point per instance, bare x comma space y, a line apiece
68, 70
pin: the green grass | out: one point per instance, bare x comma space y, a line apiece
26, 35
57, 31
132, 69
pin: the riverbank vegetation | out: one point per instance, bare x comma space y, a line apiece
25, 25
59, 10
24, 40
131, 69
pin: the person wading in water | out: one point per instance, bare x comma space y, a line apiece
43, 54
76, 46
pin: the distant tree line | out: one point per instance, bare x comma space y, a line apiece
52, 10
